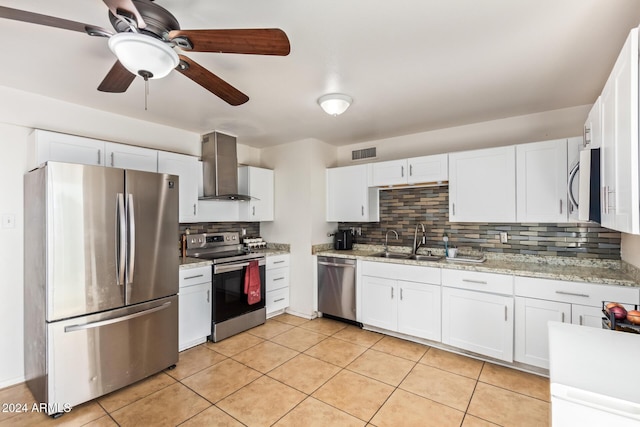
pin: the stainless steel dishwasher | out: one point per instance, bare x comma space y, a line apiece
337, 287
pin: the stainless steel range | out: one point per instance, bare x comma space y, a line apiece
231, 312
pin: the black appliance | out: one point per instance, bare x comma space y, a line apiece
343, 240
231, 313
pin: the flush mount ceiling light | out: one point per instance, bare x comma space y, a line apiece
335, 103
143, 55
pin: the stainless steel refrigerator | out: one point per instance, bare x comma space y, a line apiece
101, 278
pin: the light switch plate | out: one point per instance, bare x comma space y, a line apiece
503, 237
8, 221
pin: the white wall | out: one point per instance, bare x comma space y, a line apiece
513, 130
299, 211
20, 112
630, 249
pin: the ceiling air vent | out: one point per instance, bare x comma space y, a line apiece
365, 153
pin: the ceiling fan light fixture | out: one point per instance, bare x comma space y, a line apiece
335, 104
143, 55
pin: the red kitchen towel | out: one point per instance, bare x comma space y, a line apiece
252, 282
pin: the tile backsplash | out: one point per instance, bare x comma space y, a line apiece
402, 209
252, 228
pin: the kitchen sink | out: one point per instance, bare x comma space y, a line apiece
394, 255
417, 257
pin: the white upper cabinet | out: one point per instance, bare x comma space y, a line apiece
482, 185
619, 162
411, 171
187, 168
257, 183
59, 147
349, 197
542, 181
131, 157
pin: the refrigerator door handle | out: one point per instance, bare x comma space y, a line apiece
100, 323
131, 226
122, 239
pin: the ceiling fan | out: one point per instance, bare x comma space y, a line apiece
144, 41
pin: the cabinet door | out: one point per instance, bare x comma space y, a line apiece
592, 137
532, 336
257, 183
586, 316
130, 157
60, 147
619, 162
482, 185
393, 172
194, 315
478, 322
419, 310
349, 199
542, 181
379, 307
186, 167
428, 169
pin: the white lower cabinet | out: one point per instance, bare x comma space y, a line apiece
194, 301
402, 298
532, 339
478, 322
539, 301
277, 284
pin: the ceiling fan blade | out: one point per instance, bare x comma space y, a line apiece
211, 82
117, 80
125, 7
49, 21
263, 41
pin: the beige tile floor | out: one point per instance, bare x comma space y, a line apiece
295, 372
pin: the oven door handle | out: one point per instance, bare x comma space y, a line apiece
235, 266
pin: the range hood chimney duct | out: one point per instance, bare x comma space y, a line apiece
220, 167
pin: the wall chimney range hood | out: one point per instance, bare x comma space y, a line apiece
220, 168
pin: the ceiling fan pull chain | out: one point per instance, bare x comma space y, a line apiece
146, 92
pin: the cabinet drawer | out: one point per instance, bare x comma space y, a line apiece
277, 300
590, 294
277, 278
277, 261
410, 273
478, 281
192, 276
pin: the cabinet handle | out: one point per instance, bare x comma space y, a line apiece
111, 159
208, 292
194, 277
278, 262
391, 293
400, 294
278, 278
572, 294
453, 208
402, 171
278, 300
99, 157
586, 138
505, 313
253, 211
481, 282
560, 205
194, 208
562, 317
580, 321
410, 170
362, 210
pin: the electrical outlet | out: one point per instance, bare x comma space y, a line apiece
244, 231
503, 237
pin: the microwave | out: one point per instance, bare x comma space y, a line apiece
589, 186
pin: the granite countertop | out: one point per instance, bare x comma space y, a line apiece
609, 272
186, 263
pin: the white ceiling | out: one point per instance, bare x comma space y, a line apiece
410, 65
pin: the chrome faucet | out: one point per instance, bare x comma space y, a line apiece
417, 244
386, 237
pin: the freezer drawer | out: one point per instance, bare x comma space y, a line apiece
95, 355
